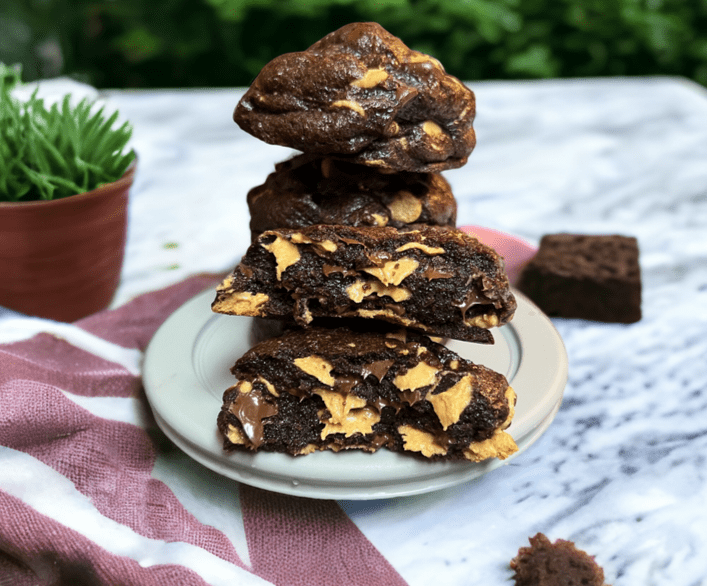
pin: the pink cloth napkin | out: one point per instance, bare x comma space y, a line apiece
79, 504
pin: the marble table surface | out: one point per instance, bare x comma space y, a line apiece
621, 471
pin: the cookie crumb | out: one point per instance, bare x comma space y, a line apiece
555, 564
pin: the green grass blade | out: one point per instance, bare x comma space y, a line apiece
57, 151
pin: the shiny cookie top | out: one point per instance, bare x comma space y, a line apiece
361, 93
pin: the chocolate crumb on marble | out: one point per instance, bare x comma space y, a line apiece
433, 279
362, 94
337, 389
592, 277
555, 564
307, 190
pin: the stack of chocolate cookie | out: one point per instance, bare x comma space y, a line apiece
355, 253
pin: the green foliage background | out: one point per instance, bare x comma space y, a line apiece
197, 43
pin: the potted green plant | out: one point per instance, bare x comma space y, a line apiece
65, 176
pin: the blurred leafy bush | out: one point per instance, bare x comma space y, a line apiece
192, 43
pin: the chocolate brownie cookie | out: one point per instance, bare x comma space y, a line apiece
361, 93
309, 190
434, 279
555, 564
333, 389
585, 276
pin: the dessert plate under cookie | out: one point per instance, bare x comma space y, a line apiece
187, 368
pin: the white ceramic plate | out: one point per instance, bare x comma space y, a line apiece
186, 370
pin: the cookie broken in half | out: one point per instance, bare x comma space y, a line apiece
335, 389
436, 280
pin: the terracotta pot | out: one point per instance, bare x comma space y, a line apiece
61, 259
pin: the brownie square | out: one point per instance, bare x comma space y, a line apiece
585, 276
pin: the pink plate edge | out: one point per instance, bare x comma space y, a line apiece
514, 250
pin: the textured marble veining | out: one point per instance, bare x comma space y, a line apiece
621, 471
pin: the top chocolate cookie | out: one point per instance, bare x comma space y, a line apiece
360, 93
